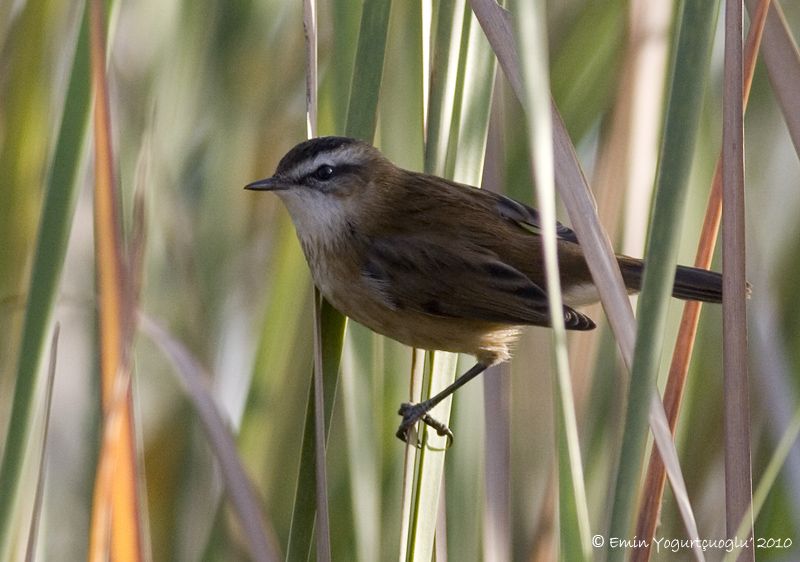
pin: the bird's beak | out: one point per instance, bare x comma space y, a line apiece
269, 184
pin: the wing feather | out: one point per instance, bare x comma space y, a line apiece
513, 210
453, 279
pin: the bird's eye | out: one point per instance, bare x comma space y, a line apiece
324, 172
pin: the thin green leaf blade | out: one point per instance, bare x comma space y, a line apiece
459, 103
680, 133
361, 119
572, 506
366, 85
51, 245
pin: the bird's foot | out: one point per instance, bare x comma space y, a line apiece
412, 413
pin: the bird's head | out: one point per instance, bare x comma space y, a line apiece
325, 181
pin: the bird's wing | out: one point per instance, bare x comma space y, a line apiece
518, 212
451, 279
470, 198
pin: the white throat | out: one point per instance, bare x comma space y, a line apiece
319, 220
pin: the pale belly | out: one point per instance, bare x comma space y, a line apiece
489, 342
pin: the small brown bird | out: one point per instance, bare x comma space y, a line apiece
432, 263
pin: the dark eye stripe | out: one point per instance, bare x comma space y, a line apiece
338, 170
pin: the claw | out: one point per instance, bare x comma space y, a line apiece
441, 429
404, 435
407, 410
412, 413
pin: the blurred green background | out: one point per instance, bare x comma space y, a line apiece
206, 96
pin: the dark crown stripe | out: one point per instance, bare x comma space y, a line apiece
309, 149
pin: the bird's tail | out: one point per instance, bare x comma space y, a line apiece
691, 283
696, 284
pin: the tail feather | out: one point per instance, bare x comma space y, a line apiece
696, 284
691, 283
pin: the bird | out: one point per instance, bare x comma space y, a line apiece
435, 264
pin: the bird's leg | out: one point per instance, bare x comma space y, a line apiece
412, 413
